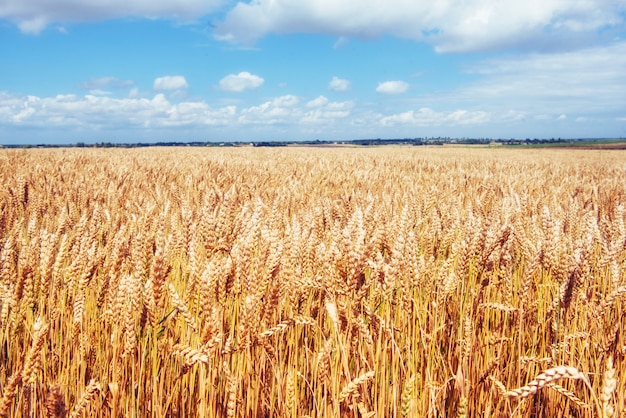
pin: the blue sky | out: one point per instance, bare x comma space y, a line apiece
218, 70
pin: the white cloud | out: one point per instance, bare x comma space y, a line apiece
23, 114
512, 96
322, 111
392, 87
588, 81
511, 116
428, 117
103, 112
339, 84
32, 25
170, 82
240, 82
33, 16
448, 25
318, 102
106, 113
278, 111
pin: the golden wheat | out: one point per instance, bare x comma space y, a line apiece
316, 282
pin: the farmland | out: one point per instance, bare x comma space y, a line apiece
319, 282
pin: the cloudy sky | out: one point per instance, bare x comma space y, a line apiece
216, 70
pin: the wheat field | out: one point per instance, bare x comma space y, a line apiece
312, 282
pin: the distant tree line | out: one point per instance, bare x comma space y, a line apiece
361, 142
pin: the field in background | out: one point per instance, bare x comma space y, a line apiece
577, 145
293, 282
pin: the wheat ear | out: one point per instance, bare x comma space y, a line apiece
33, 360
352, 387
407, 396
609, 383
82, 403
191, 355
231, 402
182, 308
323, 361
10, 390
281, 327
290, 394
55, 404
461, 410
543, 379
568, 394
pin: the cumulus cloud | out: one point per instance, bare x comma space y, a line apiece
449, 26
170, 82
240, 82
103, 112
392, 87
32, 16
323, 111
318, 102
280, 110
69, 116
339, 84
286, 110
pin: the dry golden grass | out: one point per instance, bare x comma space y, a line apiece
413, 282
